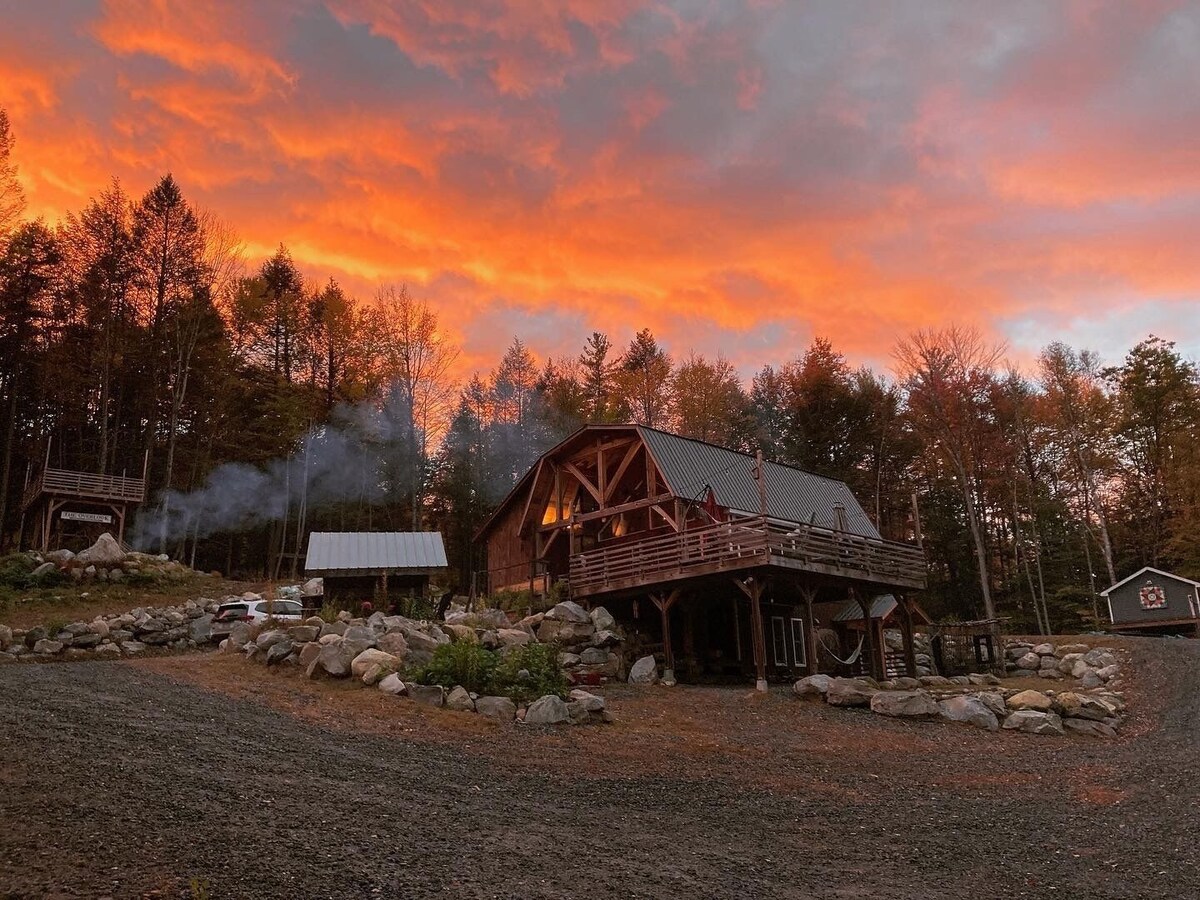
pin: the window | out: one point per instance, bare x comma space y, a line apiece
799, 648
231, 611
779, 640
280, 608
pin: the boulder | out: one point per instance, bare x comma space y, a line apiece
279, 651
904, 704
200, 629
314, 587
308, 654
496, 708
1032, 721
983, 679
1080, 668
591, 702
1034, 700
392, 684
420, 647
43, 569
47, 647
904, 683
460, 699
1043, 650
605, 639
812, 687
269, 639
603, 619
239, 634
994, 701
84, 641
338, 628
850, 692
315, 622
547, 710
1067, 649
59, 557
303, 634
6, 637
569, 611
970, 710
370, 658
933, 681
577, 713
428, 694
1099, 658
1090, 680
1030, 661
1082, 706
132, 647
333, 659
462, 634
644, 671
565, 632
105, 552
593, 656
1066, 665
393, 643
1089, 727
1051, 674
359, 638
513, 637
107, 651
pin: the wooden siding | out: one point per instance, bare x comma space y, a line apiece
1126, 607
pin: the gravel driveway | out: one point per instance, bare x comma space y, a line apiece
116, 781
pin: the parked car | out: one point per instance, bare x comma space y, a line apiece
229, 614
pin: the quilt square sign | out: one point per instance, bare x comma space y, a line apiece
1153, 597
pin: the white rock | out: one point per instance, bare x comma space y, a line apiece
970, 710
603, 619
547, 710
458, 698
392, 684
569, 611
907, 704
105, 552
1034, 700
1032, 721
849, 692
644, 671
371, 658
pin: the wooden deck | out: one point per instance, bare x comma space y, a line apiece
85, 486
746, 543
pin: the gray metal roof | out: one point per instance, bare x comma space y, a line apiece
881, 607
793, 495
373, 552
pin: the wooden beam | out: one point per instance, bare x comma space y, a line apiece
588, 451
906, 633
754, 592
810, 630
609, 512
616, 479
529, 500
869, 632
601, 473
583, 480
666, 515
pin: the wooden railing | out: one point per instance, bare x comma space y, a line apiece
86, 484
743, 543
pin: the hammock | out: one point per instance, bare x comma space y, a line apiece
853, 656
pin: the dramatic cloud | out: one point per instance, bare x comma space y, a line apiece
736, 176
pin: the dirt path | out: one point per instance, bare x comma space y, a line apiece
116, 780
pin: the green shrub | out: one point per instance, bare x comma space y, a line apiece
328, 611
460, 663
15, 569
544, 673
512, 601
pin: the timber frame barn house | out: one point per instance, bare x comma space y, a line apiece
698, 547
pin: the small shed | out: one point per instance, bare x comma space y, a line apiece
1151, 600
379, 566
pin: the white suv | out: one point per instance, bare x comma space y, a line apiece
228, 614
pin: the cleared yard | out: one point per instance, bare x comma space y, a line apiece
165, 775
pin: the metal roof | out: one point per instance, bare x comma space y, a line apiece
793, 495
373, 552
1143, 570
881, 607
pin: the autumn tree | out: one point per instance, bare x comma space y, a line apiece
644, 381
708, 402
12, 196
597, 376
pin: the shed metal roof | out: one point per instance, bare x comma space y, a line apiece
881, 607
793, 495
1142, 571
374, 552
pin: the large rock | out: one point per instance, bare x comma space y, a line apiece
1031, 721
359, 638
268, 639
1043, 650
374, 662
1066, 665
395, 644
105, 552
1034, 700
1065, 649
314, 587
428, 694
461, 634
132, 647
593, 703
333, 659
239, 634
6, 637
547, 710
1090, 680
605, 639
565, 632
1082, 706
279, 651
47, 647
970, 710
459, 698
303, 634
420, 646
603, 619
83, 641
513, 637
812, 687
593, 656
1089, 727
496, 708
308, 654
993, 701
644, 671
569, 611
392, 684
907, 704
1030, 661
1099, 658
849, 692
200, 629
43, 569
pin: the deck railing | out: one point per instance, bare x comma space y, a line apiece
87, 485
746, 543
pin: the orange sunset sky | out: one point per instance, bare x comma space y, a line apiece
738, 176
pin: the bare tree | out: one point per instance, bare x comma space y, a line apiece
947, 374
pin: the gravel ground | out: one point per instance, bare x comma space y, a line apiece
116, 780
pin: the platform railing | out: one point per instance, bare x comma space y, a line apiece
746, 542
86, 484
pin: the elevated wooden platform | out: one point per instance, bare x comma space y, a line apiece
81, 496
750, 542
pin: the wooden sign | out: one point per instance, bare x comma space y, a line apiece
100, 518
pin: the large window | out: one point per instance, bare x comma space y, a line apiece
779, 640
799, 647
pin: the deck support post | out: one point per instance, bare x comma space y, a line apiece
664, 604
752, 587
906, 632
869, 627
810, 631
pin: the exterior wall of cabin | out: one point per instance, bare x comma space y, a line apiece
1126, 605
509, 554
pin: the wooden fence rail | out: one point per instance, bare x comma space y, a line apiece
86, 485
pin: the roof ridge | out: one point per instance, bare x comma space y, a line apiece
767, 459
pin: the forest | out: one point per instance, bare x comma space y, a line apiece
264, 405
